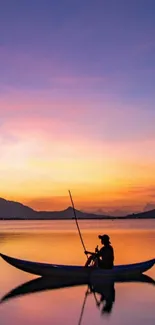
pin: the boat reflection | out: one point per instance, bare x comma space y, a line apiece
47, 283
103, 291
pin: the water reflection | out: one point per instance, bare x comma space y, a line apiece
58, 242
103, 292
106, 292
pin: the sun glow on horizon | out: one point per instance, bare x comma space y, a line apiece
38, 168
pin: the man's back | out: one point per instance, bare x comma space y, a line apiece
107, 257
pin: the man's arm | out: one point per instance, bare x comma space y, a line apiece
91, 253
97, 252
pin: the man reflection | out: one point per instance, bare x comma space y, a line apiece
107, 295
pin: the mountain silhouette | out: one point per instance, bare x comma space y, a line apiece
10, 210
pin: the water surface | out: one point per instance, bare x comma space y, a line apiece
58, 242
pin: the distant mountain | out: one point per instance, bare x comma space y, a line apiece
143, 215
119, 212
69, 214
14, 210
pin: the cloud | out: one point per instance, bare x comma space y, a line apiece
143, 190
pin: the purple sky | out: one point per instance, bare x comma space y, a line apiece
78, 76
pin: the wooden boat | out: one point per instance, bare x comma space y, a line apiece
45, 269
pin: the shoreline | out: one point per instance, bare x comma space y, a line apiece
66, 219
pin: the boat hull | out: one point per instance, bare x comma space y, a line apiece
44, 269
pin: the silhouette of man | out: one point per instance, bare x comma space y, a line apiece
103, 258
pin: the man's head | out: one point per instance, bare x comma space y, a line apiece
105, 240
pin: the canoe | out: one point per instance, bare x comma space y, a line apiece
45, 269
54, 283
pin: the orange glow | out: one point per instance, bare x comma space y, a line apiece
42, 158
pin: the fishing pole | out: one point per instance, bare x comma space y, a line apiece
76, 220
82, 242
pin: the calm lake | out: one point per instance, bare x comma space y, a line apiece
58, 242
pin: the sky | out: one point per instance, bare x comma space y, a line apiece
77, 104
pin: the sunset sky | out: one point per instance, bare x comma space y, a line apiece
77, 103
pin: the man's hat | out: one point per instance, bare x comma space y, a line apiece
105, 238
